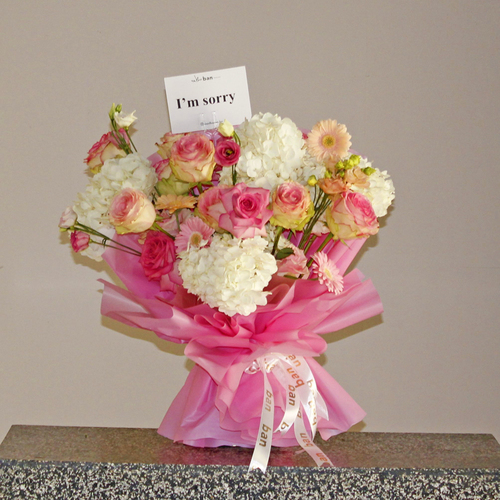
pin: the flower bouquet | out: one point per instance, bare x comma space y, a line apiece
237, 242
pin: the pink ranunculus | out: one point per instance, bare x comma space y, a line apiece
158, 255
79, 241
68, 218
227, 153
105, 149
192, 158
246, 211
292, 206
351, 216
131, 212
294, 265
210, 206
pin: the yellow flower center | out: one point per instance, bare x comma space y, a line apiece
195, 239
328, 273
328, 141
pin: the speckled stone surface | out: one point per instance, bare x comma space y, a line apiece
38, 462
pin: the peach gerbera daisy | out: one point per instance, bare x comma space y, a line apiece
327, 273
172, 202
329, 141
194, 233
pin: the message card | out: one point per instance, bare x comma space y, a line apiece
203, 100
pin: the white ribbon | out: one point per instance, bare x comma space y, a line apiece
295, 376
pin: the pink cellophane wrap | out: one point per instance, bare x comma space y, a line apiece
220, 403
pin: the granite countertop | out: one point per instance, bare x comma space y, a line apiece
80, 463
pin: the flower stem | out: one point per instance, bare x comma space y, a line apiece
279, 230
86, 229
159, 228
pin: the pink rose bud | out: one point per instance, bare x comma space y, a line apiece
351, 216
292, 206
158, 255
131, 212
227, 153
68, 218
79, 241
192, 158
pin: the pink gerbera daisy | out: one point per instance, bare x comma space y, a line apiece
194, 233
327, 272
329, 141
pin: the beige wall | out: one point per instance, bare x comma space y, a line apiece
416, 82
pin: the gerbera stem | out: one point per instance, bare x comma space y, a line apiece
159, 228
323, 245
86, 229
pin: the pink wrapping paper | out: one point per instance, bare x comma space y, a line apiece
220, 403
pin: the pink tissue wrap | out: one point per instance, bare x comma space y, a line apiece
220, 404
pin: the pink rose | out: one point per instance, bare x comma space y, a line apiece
162, 169
227, 153
105, 149
210, 206
246, 211
292, 206
131, 212
158, 255
68, 218
192, 158
79, 241
294, 265
351, 216
166, 143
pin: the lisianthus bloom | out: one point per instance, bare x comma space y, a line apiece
172, 202
329, 141
158, 255
68, 218
332, 185
227, 153
294, 265
131, 212
292, 206
194, 233
79, 241
210, 206
166, 143
351, 215
327, 272
123, 120
106, 148
246, 211
192, 158
226, 129
356, 177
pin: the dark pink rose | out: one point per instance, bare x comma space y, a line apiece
79, 241
351, 216
192, 158
158, 255
246, 211
227, 153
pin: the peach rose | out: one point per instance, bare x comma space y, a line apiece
351, 216
192, 158
105, 149
131, 212
210, 206
292, 206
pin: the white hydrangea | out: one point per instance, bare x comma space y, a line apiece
91, 207
271, 152
230, 274
381, 191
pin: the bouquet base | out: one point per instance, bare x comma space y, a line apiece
198, 417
